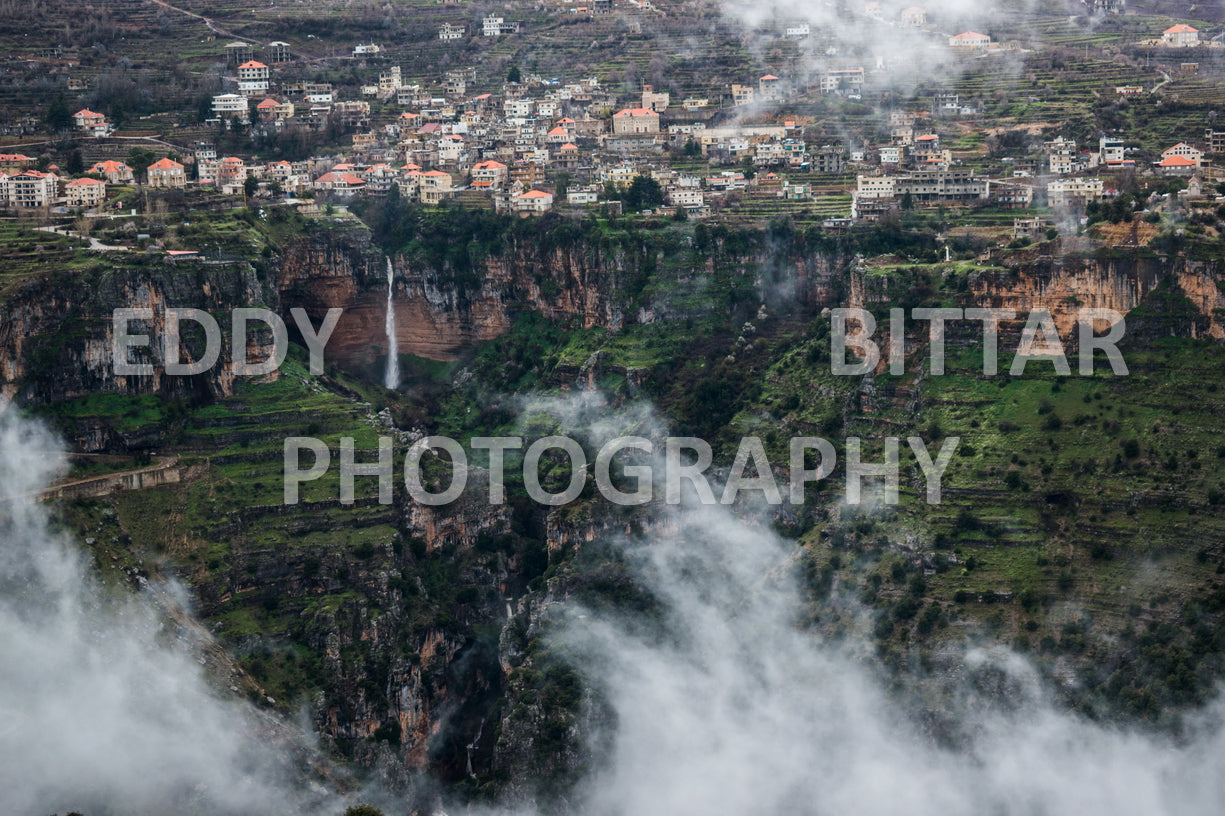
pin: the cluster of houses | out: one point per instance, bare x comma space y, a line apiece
918, 172
23, 187
540, 142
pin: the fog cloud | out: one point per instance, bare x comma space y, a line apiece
102, 710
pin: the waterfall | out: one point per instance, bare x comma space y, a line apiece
391, 378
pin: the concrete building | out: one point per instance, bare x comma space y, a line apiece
238, 52
1062, 157
278, 52
657, 102
913, 17
1073, 191
770, 88
742, 94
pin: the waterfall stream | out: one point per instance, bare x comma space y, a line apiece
391, 378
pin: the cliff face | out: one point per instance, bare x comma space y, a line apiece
1190, 299
56, 332
440, 312
436, 314
1066, 285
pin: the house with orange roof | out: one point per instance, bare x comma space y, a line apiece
493, 172
533, 202
18, 160
167, 173
340, 183
231, 171
253, 78
277, 171
85, 192
115, 172
970, 40
770, 88
92, 123
29, 189
558, 135
434, 186
567, 156
635, 121
1177, 166
1180, 36
1186, 151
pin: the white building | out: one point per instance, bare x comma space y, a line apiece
29, 189
253, 78
493, 26
450, 31
970, 39
228, 105
533, 202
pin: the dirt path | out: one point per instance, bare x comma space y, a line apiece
103, 485
225, 32
94, 243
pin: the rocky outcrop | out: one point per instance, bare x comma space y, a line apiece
57, 331
1065, 285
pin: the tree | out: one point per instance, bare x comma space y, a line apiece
562, 183
363, 810
58, 115
75, 163
204, 108
139, 160
250, 186
514, 74
907, 201
644, 193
